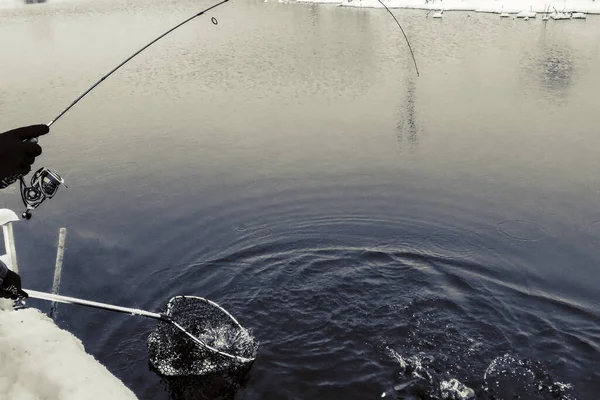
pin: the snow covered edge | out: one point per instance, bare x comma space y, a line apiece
41, 361
486, 6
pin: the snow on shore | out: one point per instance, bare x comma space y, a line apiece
38, 360
491, 6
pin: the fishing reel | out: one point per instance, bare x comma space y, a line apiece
44, 185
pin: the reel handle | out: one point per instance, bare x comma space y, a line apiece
38, 196
44, 185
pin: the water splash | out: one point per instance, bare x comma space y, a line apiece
229, 340
183, 359
455, 390
509, 376
506, 377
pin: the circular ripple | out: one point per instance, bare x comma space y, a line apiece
291, 267
453, 240
520, 229
400, 246
240, 228
261, 233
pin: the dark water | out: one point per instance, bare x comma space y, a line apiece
378, 232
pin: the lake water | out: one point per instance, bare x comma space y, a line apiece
380, 233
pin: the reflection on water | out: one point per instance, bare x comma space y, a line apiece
554, 64
407, 129
215, 386
269, 143
557, 70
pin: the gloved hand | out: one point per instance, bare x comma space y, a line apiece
17, 155
10, 286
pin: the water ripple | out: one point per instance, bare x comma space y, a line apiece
521, 230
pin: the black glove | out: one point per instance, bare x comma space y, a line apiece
10, 288
16, 154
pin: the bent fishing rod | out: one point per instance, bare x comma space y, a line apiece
45, 183
214, 21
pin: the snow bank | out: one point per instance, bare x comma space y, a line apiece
492, 6
38, 360
321, 1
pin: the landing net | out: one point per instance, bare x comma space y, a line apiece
224, 343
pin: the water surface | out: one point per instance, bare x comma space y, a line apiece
380, 233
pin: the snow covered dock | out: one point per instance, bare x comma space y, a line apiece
40, 361
489, 6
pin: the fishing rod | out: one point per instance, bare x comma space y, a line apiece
214, 21
45, 183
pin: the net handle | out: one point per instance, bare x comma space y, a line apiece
94, 304
134, 311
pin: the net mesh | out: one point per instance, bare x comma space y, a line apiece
227, 345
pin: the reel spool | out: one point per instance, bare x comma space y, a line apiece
43, 185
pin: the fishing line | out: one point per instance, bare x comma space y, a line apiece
46, 182
215, 22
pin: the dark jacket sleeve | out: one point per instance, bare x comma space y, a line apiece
3, 271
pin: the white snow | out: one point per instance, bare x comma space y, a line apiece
491, 6
320, 1
40, 361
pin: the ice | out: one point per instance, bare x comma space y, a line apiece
39, 361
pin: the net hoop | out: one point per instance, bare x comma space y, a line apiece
197, 340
